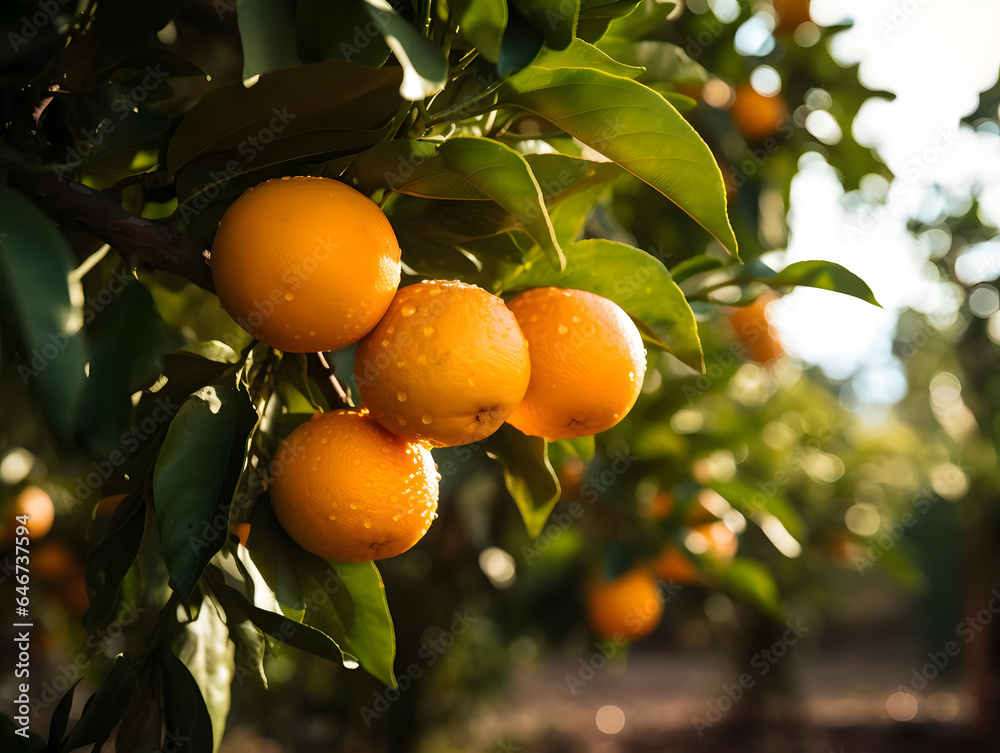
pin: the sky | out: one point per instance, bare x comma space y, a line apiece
936, 56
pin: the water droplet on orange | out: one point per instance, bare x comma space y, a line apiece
289, 296
426, 419
408, 309
563, 329
401, 397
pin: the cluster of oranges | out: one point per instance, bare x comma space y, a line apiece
309, 264
631, 606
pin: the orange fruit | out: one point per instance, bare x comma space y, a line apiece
243, 533
587, 363
305, 264
756, 116
715, 540
673, 566
35, 503
52, 562
631, 605
791, 13
445, 366
351, 491
753, 331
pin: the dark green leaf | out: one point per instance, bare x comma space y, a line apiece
555, 20
339, 30
156, 60
597, 15
110, 560
281, 628
503, 174
344, 603
267, 33
142, 723
521, 42
105, 708
633, 279
633, 126
284, 103
126, 339
188, 726
482, 22
60, 716
693, 266
425, 67
195, 478
527, 473
825, 275
34, 266
227, 175
749, 580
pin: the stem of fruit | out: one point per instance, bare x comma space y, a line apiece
322, 373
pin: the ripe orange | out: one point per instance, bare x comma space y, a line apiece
631, 605
753, 331
350, 491
587, 363
305, 264
673, 566
757, 117
714, 541
36, 503
791, 13
445, 366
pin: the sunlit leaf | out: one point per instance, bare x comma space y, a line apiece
482, 22
195, 478
425, 67
633, 126
528, 474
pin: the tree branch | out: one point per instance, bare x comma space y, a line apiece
77, 207
322, 373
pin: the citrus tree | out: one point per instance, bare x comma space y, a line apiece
488, 134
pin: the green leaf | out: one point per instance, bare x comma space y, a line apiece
504, 175
581, 54
597, 15
227, 175
425, 67
35, 264
527, 473
633, 279
749, 580
105, 707
267, 34
401, 163
663, 62
521, 42
60, 716
482, 22
345, 604
339, 30
110, 560
750, 499
208, 655
126, 339
633, 126
555, 20
580, 447
142, 723
188, 723
233, 119
357, 616
693, 266
277, 626
825, 275
195, 478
